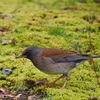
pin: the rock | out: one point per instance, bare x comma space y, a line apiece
6, 71
93, 98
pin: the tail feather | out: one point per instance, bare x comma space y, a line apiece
95, 57
77, 58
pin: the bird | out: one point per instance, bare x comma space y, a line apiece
54, 61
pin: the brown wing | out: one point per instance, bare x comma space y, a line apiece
55, 53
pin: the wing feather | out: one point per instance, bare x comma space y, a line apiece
56, 54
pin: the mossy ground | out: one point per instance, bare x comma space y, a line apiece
66, 24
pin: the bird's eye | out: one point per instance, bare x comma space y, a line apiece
27, 53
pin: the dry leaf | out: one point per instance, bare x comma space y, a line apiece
3, 91
18, 96
4, 94
3, 29
5, 42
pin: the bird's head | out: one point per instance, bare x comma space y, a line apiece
27, 53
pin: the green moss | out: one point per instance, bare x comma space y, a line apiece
47, 23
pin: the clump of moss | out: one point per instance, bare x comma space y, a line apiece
68, 25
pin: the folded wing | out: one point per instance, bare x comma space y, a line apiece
58, 55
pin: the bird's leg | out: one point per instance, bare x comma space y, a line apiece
67, 77
64, 85
51, 83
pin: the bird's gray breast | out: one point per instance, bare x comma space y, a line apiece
48, 66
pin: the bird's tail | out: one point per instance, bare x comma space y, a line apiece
95, 56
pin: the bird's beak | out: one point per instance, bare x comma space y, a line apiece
20, 56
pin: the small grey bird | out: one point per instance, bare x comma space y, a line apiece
54, 61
